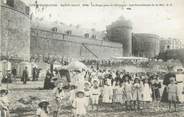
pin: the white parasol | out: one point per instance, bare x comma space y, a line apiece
77, 66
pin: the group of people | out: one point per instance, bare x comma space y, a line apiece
90, 89
25, 74
87, 89
11, 75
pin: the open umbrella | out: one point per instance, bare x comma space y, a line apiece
77, 66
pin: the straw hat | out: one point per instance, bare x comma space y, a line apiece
88, 83
43, 102
179, 69
3, 90
79, 91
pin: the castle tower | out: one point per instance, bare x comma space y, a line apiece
14, 29
121, 31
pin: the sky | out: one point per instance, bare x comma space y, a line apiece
166, 21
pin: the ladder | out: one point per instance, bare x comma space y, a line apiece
84, 45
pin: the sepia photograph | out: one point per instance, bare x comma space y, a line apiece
91, 58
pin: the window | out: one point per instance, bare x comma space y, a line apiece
68, 32
54, 29
10, 3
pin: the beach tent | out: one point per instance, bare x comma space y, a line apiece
5, 66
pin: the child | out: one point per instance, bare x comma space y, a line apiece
87, 91
146, 91
72, 97
155, 85
118, 94
42, 111
72, 93
137, 93
172, 93
95, 93
107, 93
4, 103
59, 94
80, 104
127, 92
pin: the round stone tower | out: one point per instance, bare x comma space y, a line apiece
15, 29
121, 31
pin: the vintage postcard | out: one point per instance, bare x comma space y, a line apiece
91, 58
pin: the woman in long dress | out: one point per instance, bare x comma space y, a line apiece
47, 82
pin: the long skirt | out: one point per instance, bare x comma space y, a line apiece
165, 96
156, 94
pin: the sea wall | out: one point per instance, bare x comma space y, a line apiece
48, 43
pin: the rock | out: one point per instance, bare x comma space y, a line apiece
33, 98
26, 104
19, 107
25, 101
28, 100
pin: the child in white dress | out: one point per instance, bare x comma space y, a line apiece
80, 104
118, 93
95, 93
107, 93
136, 89
87, 91
146, 91
128, 92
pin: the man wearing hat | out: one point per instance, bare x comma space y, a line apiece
25, 75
